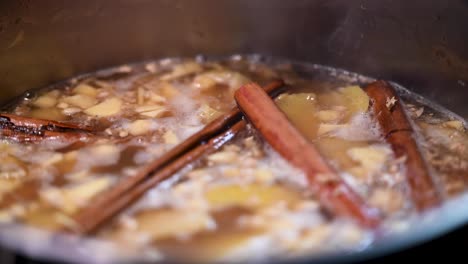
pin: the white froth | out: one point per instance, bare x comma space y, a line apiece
360, 128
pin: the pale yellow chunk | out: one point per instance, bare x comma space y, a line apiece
83, 192
372, 158
223, 157
167, 90
263, 175
328, 128
157, 98
153, 111
80, 100
85, 89
181, 70
78, 176
139, 127
336, 149
54, 93
45, 218
45, 101
455, 124
328, 115
359, 172
62, 105
71, 111
159, 224
69, 199
204, 81
54, 158
332, 99
108, 107
170, 137
105, 154
250, 196
105, 150
11, 168
8, 184
387, 200
357, 99
301, 109
233, 80
208, 114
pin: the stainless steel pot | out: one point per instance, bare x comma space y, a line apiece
420, 44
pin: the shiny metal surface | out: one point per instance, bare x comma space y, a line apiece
420, 44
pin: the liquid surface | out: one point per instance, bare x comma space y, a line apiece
243, 198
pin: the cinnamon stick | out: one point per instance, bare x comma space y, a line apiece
25, 129
400, 134
88, 223
333, 194
105, 206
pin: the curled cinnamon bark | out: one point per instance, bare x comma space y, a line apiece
400, 134
25, 129
333, 194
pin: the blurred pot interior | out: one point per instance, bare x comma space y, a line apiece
419, 44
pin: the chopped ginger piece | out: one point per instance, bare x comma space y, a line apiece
335, 149
263, 175
372, 158
105, 150
301, 109
357, 99
108, 107
80, 100
181, 70
386, 199
157, 98
455, 124
223, 157
207, 80
153, 111
44, 218
170, 137
69, 199
328, 115
160, 224
45, 101
208, 114
328, 128
83, 192
140, 127
85, 89
8, 184
250, 196
54, 158
167, 90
